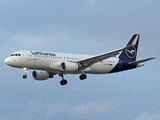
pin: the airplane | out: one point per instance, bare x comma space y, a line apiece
48, 64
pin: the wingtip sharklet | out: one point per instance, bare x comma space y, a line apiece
135, 40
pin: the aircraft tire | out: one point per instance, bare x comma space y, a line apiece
24, 76
63, 82
83, 76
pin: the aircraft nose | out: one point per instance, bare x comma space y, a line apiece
7, 61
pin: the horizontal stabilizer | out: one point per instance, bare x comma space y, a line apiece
140, 61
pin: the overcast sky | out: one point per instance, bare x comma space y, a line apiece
84, 27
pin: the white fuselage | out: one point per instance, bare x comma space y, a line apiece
50, 62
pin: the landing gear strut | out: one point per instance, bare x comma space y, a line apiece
25, 72
63, 81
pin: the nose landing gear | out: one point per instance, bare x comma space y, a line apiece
24, 76
25, 73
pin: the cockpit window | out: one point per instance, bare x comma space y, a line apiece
16, 55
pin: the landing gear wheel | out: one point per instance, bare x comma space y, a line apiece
83, 76
24, 76
63, 82
25, 73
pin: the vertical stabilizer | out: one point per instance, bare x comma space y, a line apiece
131, 53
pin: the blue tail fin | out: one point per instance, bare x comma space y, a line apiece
131, 53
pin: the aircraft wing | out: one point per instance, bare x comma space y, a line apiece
86, 62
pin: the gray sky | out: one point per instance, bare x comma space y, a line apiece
85, 27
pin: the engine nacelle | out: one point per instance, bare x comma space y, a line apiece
69, 66
41, 75
64, 66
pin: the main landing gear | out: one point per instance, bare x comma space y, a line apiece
63, 81
82, 76
25, 73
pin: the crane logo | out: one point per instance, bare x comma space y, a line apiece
131, 52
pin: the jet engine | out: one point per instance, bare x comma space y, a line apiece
69, 66
64, 66
41, 75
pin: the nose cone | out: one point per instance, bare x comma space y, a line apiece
7, 61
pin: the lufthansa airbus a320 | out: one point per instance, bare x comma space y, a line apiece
47, 64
